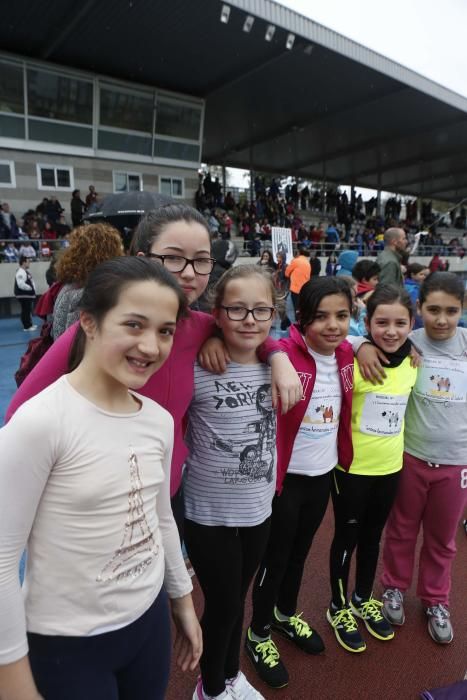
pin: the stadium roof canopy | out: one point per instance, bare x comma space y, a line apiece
326, 109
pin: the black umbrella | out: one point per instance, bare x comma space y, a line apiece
124, 210
129, 204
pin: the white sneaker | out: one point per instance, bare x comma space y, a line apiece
240, 689
200, 695
31, 328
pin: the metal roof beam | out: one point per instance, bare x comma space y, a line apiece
371, 144
454, 188
295, 125
429, 175
238, 77
57, 40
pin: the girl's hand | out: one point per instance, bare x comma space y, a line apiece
285, 383
416, 359
16, 681
369, 360
213, 356
189, 640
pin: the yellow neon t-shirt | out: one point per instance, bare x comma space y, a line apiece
378, 420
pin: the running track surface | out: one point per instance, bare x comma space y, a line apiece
395, 670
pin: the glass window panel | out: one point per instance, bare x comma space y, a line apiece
11, 88
5, 173
176, 119
166, 186
176, 150
126, 143
59, 97
63, 178
134, 183
177, 188
120, 182
48, 177
60, 133
124, 111
12, 127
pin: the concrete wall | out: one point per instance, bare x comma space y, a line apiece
87, 171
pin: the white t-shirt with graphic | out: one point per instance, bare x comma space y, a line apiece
315, 447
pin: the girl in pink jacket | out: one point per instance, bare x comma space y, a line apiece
311, 439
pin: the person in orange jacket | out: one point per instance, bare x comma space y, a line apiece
299, 272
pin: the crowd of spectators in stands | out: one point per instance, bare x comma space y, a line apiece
348, 222
43, 230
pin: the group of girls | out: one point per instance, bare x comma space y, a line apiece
94, 510
93, 513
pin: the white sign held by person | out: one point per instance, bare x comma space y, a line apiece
282, 242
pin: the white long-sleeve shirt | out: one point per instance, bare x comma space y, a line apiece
88, 491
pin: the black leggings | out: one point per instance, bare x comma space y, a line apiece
225, 560
361, 508
131, 663
296, 515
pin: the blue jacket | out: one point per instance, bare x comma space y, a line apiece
346, 261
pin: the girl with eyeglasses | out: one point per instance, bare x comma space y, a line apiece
231, 476
176, 236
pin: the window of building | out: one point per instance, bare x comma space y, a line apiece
172, 186
7, 173
126, 110
11, 88
59, 97
55, 177
177, 119
127, 182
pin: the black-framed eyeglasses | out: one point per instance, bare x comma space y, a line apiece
177, 263
240, 313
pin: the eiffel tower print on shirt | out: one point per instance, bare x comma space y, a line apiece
137, 537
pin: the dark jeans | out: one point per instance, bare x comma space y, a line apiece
296, 515
26, 308
131, 663
294, 296
361, 508
225, 560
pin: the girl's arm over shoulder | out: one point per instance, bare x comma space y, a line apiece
48, 370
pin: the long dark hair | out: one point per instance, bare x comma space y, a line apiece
314, 291
104, 286
152, 225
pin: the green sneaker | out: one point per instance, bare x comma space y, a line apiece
346, 629
370, 611
267, 662
298, 631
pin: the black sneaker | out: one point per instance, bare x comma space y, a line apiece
266, 659
296, 630
346, 629
370, 611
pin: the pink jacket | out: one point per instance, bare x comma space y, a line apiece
288, 425
171, 386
